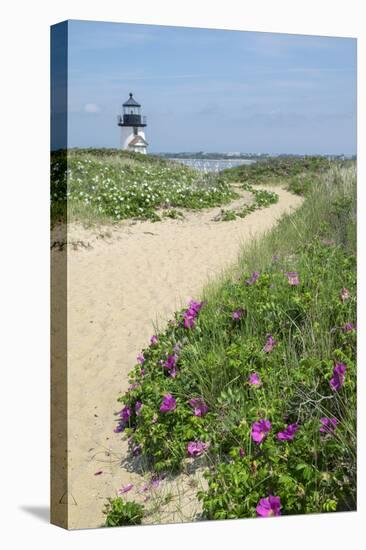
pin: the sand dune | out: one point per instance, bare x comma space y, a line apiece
122, 280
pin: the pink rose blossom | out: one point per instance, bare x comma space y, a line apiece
293, 278
138, 407
328, 425
254, 379
196, 448
125, 489
199, 406
268, 507
260, 431
168, 404
270, 344
253, 278
348, 327
339, 373
288, 433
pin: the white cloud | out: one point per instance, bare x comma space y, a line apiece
91, 108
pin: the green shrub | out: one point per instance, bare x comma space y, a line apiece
302, 184
173, 214
270, 170
261, 199
119, 513
227, 215
108, 185
297, 284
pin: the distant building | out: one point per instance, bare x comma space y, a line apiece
132, 127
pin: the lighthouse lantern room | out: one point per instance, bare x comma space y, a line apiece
132, 126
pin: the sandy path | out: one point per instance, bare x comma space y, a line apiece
119, 286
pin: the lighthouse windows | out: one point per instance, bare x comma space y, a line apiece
135, 131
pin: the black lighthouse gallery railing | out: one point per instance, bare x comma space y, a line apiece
131, 120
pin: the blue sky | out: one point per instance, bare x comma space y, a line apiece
213, 90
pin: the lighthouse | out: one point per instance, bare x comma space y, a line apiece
132, 126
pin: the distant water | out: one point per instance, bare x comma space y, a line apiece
213, 165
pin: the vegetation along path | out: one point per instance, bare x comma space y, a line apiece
123, 282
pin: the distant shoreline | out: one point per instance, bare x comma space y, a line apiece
242, 161
212, 165
254, 157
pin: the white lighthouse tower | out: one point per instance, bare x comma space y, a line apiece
132, 127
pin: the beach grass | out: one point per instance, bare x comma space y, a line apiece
258, 380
